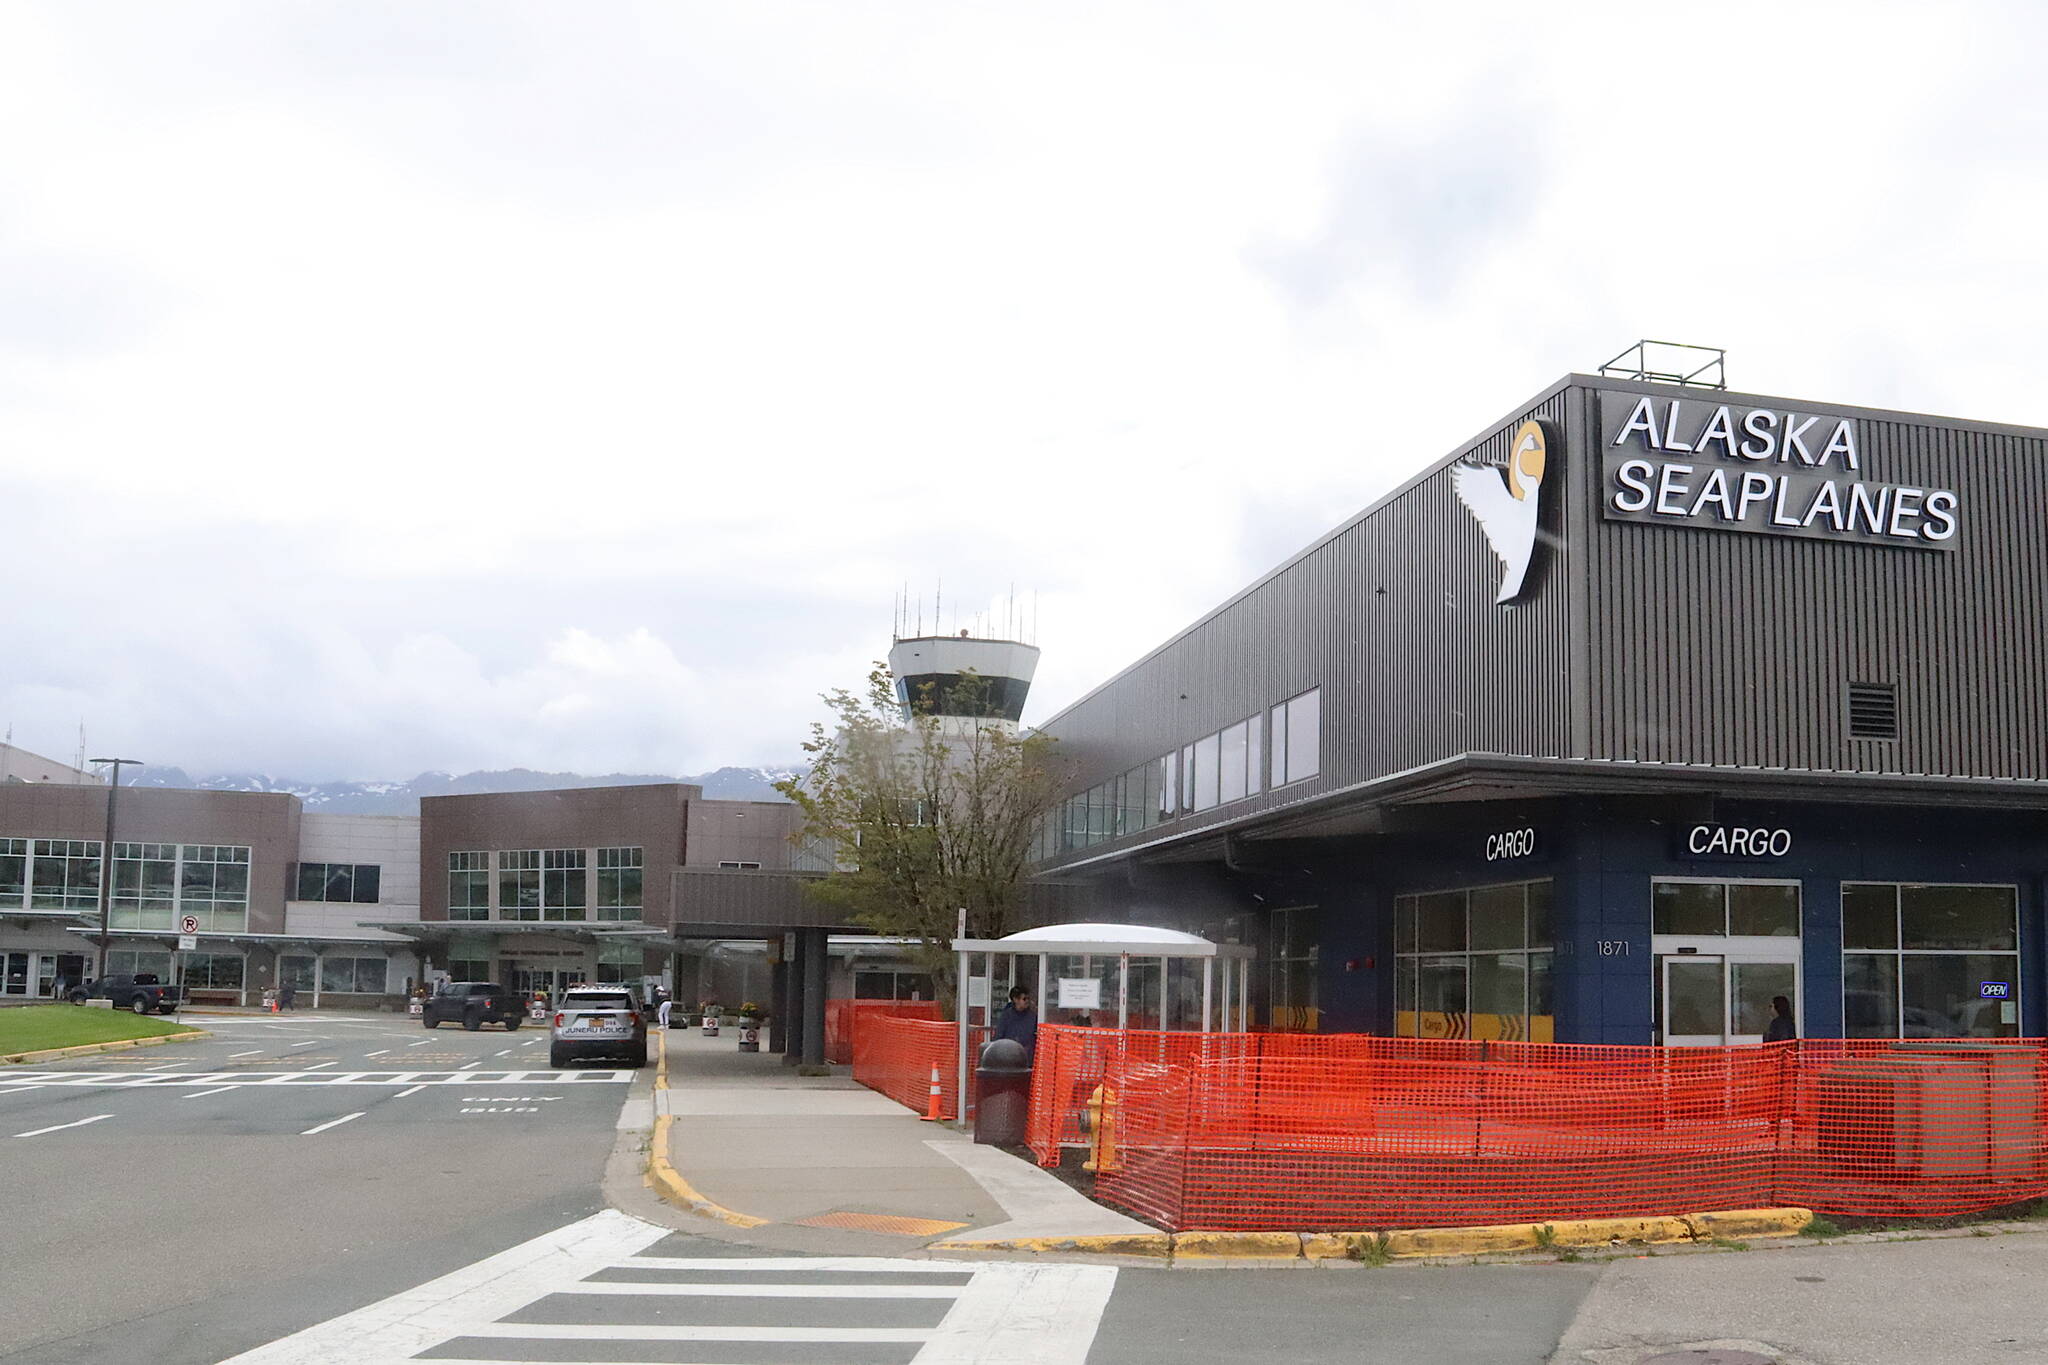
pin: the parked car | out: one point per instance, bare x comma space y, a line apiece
473, 1004
598, 1021
140, 992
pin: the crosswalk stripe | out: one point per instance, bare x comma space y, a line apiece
765, 1291
982, 1311
576, 1331
97, 1080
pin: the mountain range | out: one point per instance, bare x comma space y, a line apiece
403, 798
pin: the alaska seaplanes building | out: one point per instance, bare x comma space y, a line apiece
1649, 703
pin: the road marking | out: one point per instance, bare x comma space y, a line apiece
379, 1053
317, 1065
313, 1043
222, 1090
252, 1052
403, 1093
333, 1123
164, 1066
406, 1323
978, 1311
506, 1053
56, 1128
767, 1291
17, 1089
421, 1043
319, 1074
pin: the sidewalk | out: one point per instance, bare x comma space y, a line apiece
835, 1168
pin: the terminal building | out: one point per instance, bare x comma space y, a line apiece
235, 893
1648, 704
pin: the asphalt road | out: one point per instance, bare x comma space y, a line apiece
155, 1216
319, 1190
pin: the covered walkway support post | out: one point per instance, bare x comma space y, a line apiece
814, 953
793, 1006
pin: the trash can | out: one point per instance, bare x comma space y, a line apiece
1003, 1093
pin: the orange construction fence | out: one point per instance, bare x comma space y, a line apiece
840, 1014
896, 1055
1245, 1131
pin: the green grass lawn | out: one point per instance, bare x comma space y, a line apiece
32, 1028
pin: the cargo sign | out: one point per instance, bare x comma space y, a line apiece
1718, 466
1733, 841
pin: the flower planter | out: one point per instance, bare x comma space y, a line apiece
750, 1034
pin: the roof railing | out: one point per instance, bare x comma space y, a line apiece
1671, 362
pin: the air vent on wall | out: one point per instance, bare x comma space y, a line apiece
1873, 711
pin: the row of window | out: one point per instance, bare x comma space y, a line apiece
1475, 963
546, 884
1260, 752
154, 885
346, 883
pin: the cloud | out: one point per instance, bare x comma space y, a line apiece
402, 386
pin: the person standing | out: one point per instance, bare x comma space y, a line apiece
1018, 1022
1781, 1029
664, 1003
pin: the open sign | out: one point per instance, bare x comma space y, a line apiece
1995, 990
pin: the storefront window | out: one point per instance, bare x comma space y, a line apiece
297, 973
213, 971
353, 975
1474, 963
1740, 909
136, 961
1927, 961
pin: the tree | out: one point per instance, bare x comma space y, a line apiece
927, 813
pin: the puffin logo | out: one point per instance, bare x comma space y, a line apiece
1507, 503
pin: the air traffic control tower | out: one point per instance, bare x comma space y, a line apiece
932, 666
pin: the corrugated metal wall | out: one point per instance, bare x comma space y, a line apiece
1727, 648
1393, 617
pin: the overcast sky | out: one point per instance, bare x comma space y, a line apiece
410, 385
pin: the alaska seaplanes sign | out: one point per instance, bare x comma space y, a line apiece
1686, 462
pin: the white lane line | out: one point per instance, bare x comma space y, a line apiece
252, 1052
17, 1089
421, 1043
164, 1066
333, 1123
403, 1093
38, 1132
317, 1065
531, 1041
378, 1053
506, 1053
222, 1090
406, 1323
313, 1043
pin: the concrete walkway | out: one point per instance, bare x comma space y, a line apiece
836, 1168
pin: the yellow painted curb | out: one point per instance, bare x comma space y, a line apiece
666, 1180
1270, 1246
51, 1054
1573, 1233
1158, 1244
1787, 1222
1463, 1241
1594, 1232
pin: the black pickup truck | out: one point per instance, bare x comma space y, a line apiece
141, 992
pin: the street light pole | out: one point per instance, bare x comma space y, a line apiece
107, 856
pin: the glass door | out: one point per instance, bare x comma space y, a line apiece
1711, 999
1693, 995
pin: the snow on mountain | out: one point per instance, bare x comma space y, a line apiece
403, 798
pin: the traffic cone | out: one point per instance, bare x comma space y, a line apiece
931, 1110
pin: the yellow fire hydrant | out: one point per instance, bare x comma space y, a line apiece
1099, 1118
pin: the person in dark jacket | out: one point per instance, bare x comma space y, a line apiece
1018, 1022
1781, 1029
